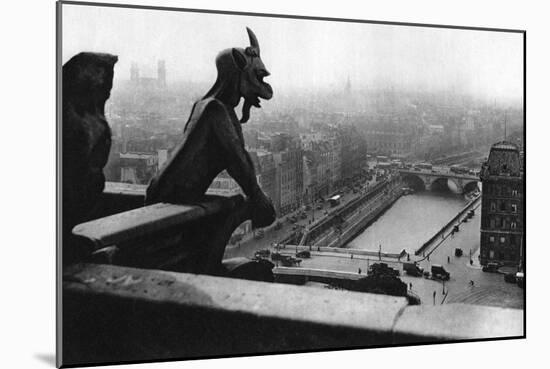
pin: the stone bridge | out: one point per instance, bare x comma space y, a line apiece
430, 179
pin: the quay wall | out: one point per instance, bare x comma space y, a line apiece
353, 230
325, 224
472, 204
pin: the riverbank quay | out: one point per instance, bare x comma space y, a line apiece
488, 289
448, 230
345, 222
271, 235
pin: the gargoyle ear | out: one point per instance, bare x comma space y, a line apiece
240, 58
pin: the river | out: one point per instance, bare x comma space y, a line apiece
410, 221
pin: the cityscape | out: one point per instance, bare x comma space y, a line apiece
396, 203
302, 157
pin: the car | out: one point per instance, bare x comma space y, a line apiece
413, 269
491, 268
520, 277
510, 278
382, 268
303, 254
439, 272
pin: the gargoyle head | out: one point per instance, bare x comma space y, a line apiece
88, 79
245, 71
252, 85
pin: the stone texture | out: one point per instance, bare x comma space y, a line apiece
148, 314
458, 321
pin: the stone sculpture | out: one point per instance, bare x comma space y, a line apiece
213, 140
86, 141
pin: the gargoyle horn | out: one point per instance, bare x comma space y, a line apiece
253, 40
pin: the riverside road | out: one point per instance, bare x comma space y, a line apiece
487, 289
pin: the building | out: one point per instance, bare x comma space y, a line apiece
289, 179
353, 154
138, 168
502, 207
322, 164
225, 185
266, 173
149, 82
388, 137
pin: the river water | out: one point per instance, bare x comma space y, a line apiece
410, 221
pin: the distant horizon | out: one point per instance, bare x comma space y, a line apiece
304, 55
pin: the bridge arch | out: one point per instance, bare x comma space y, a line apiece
415, 182
470, 186
445, 184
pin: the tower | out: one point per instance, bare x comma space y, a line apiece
502, 225
161, 73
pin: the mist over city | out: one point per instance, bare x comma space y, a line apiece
373, 158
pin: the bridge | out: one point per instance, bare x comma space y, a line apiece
439, 177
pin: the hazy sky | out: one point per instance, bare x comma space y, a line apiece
302, 53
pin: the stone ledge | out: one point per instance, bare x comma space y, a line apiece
369, 312
146, 315
144, 221
149, 314
458, 322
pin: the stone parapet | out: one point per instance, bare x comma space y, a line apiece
114, 313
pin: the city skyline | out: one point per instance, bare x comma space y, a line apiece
306, 55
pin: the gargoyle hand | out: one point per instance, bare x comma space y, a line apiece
262, 210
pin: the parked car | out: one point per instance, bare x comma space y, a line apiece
382, 268
438, 272
510, 278
491, 268
263, 253
520, 278
303, 254
412, 269
289, 261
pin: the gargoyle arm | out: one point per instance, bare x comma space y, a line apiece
241, 167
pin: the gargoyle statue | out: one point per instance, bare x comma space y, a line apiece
87, 83
213, 140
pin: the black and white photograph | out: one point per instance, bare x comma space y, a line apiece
239, 184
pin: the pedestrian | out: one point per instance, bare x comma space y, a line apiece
434, 297
410, 286
448, 259
359, 271
352, 256
471, 262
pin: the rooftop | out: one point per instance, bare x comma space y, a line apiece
505, 145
